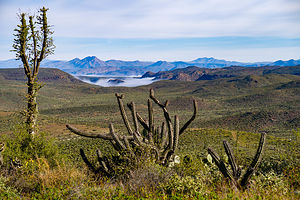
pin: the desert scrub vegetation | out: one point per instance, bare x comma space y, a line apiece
47, 167
55, 170
52, 168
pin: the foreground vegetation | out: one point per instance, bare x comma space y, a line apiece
49, 165
55, 170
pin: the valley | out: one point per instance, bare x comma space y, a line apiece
257, 102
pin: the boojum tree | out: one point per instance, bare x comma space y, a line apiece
32, 44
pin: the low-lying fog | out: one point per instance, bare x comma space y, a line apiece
126, 81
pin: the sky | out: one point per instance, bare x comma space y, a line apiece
151, 30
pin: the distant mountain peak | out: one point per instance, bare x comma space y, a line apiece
160, 62
74, 60
91, 58
208, 60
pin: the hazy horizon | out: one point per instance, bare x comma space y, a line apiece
66, 60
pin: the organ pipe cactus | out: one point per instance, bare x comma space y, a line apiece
161, 140
235, 175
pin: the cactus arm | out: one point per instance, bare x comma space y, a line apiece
1, 155
127, 145
87, 162
163, 157
140, 119
176, 133
255, 161
167, 117
151, 121
231, 160
221, 165
258, 154
162, 106
163, 135
136, 133
137, 139
105, 136
116, 137
168, 156
191, 119
90, 135
115, 146
123, 113
162, 130
246, 177
131, 106
171, 138
156, 138
101, 161
150, 113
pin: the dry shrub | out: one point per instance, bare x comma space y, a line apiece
60, 175
148, 178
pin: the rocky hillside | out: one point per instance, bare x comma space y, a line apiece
194, 73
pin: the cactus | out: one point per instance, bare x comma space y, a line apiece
235, 175
161, 140
2, 148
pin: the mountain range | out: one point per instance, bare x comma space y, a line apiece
92, 65
193, 73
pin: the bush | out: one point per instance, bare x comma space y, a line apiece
186, 185
23, 147
7, 192
148, 178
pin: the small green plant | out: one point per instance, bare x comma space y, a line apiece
7, 192
186, 185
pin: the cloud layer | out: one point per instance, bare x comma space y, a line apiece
165, 18
141, 29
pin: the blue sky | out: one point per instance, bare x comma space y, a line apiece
248, 30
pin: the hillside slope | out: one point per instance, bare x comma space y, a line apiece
45, 75
266, 102
194, 73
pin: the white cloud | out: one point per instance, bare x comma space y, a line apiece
166, 18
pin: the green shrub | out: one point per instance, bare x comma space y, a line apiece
23, 147
186, 185
7, 192
293, 176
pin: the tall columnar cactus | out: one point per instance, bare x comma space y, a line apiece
160, 140
235, 175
